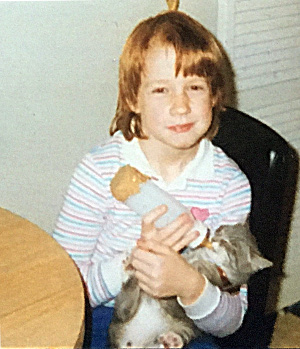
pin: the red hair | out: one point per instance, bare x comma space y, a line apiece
197, 53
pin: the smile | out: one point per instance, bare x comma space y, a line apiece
181, 128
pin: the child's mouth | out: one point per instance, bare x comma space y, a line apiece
181, 128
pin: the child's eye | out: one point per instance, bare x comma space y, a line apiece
196, 87
159, 90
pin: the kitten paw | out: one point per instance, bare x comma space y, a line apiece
170, 340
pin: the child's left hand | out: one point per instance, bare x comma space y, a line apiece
177, 234
162, 272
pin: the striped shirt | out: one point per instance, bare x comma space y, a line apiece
98, 231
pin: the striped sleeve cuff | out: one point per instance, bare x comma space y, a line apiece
205, 304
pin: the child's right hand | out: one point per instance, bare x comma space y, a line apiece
177, 234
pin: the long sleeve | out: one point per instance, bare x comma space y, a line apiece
217, 312
80, 229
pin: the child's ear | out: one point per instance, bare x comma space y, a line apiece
214, 100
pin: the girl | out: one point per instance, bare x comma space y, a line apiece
171, 90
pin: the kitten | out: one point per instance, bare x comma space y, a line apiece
141, 321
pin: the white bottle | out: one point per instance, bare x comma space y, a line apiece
151, 196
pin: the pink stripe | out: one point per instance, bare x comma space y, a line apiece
79, 218
84, 203
89, 188
238, 188
106, 157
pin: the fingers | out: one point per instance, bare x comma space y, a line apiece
154, 214
148, 284
185, 240
176, 233
148, 256
150, 265
153, 246
160, 271
148, 221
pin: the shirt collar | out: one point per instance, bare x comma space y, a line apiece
201, 167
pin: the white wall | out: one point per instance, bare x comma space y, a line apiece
58, 88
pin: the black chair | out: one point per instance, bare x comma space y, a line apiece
271, 166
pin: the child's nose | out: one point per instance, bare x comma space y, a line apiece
180, 104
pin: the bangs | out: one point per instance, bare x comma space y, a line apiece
195, 63
203, 65
197, 51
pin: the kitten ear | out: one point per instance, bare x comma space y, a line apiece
250, 260
258, 262
128, 300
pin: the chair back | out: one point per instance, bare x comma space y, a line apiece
271, 166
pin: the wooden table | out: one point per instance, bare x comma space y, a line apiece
41, 292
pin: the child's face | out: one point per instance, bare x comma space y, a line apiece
176, 112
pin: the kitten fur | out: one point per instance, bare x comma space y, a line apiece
141, 321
